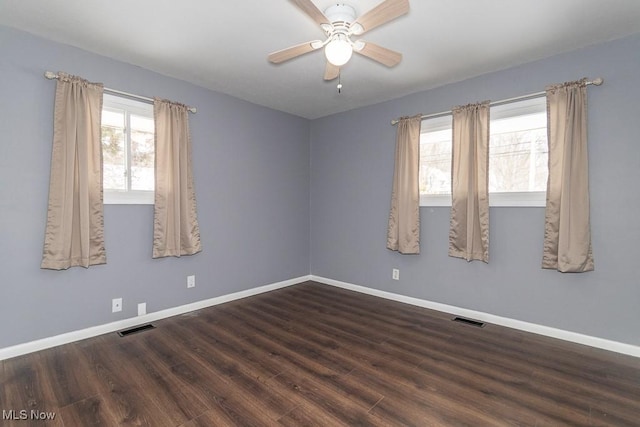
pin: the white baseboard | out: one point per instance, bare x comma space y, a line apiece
42, 344
615, 346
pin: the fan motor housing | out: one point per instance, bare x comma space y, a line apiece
340, 13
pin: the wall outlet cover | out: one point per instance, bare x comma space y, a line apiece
191, 281
116, 305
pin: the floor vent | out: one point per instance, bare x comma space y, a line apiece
133, 330
469, 322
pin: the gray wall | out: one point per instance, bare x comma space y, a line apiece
351, 173
258, 171
251, 167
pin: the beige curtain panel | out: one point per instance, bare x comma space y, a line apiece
74, 233
469, 226
175, 226
403, 232
567, 237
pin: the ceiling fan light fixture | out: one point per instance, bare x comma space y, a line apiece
339, 24
338, 51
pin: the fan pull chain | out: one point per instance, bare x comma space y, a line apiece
339, 82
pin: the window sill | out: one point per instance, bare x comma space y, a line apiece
129, 198
512, 199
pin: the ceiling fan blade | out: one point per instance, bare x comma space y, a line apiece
310, 9
293, 51
385, 56
331, 71
381, 14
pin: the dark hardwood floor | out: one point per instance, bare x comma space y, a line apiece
312, 354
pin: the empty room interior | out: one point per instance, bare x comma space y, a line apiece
303, 212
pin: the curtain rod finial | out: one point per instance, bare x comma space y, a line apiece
50, 75
598, 81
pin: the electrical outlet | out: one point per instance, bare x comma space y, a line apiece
395, 275
142, 309
191, 281
116, 305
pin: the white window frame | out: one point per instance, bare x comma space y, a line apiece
128, 197
502, 199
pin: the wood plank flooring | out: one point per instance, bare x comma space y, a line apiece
315, 355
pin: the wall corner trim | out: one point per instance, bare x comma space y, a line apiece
44, 343
588, 340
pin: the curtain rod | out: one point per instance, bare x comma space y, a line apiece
596, 82
52, 76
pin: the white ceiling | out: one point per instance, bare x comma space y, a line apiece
223, 45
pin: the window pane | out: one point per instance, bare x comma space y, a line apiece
435, 162
113, 118
518, 154
128, 150
113, 157
142, 123
142, 153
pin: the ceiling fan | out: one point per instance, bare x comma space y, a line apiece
339, 24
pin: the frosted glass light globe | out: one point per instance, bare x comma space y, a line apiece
338, 52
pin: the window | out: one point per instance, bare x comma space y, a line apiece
518, 154
127, 151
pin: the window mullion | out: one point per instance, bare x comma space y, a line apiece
532, 162
128, 149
